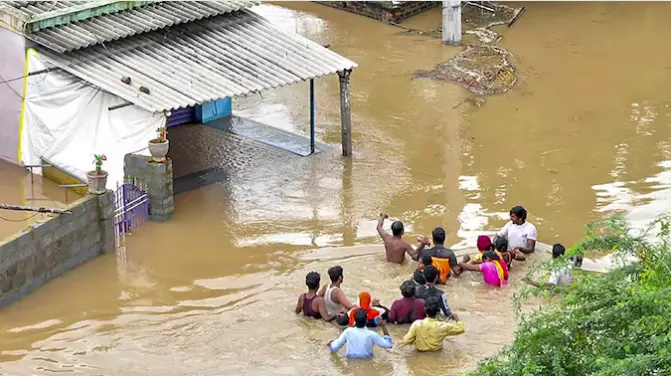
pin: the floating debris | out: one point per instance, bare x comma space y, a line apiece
482, 69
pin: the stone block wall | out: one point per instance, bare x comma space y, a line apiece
157, 177
385, 11
50, 248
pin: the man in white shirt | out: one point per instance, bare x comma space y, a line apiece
558, 277
520, 233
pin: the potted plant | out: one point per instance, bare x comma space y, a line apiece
158, 147
97, 178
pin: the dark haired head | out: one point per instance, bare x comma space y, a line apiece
431, 274
397, 228
408, 289
438, 235
519, 212
418, 277
335, 273
501, 244
312, 280
427, 260
558, 250
342, 319
432, 306
490, 255
360, 318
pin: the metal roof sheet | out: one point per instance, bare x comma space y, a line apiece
122, 24
193, 63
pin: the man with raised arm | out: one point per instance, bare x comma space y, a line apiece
394, 244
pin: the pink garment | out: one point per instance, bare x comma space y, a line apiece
490, 274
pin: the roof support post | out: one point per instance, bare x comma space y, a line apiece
451, 28
345, 113
312, 116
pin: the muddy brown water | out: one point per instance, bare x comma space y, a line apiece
585, 133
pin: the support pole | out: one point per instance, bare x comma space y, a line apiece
345, 113
451, 33
312, 116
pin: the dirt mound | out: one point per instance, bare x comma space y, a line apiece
482, 69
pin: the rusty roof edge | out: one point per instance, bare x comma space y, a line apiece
81, 12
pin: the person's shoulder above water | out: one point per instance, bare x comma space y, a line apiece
442, 252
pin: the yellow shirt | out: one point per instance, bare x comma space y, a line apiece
428, 334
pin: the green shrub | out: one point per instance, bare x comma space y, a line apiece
613, 324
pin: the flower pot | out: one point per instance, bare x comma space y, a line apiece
97, 182
158, 150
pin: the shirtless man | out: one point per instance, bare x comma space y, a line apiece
395, 246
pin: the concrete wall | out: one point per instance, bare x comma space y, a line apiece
157, 177
51, 248
12, 61
384, 11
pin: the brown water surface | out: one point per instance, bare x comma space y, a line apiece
585, 133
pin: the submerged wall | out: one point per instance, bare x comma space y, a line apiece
48, 249
385, 11
12, 62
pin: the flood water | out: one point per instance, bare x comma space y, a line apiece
18, 189
584, 134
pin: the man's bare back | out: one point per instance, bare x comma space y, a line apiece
394, 245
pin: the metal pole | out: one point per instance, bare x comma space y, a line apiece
312, 116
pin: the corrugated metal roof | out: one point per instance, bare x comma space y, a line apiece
193, 63
34, 8
122, 24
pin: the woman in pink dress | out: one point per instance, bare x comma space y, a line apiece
494, 270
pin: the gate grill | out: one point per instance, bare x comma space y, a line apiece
131, 208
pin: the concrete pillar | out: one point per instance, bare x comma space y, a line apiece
451, 22
158, 179
345, 113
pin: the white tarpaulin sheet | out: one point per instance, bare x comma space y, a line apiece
66, 121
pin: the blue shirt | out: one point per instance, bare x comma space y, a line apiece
360, 342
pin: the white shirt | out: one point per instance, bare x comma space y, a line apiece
518, 234
563, 276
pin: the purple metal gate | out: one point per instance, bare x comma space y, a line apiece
182, 116
131, 208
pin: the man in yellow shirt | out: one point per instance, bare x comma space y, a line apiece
428, 334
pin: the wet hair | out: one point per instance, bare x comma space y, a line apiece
418, 277
490, 255
408, 289
335, 272
397, 228
432, 306
342, 319
519, 212
431, 274
360, 318
438, 235
558, 250
312, 280
501, 244
427, 260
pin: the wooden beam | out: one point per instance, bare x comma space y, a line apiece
345, 113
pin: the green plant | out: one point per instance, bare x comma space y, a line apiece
161, 136
98, 162
613, 324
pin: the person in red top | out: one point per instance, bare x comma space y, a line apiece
408, 309
311, 304
374, 313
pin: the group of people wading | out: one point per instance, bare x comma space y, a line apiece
423, 304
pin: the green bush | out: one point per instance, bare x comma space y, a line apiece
613, 324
